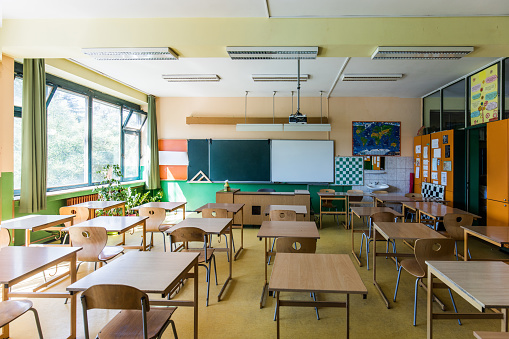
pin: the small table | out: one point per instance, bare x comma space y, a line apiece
119, 225
482, 284
391, 199
394, 231
300, 210
101, 205
150, 272
280, 229
434, 210
233, 209
497, 235
34, 222
19, 263
216, 226
310, 272
168, 206
342, 196
361, 212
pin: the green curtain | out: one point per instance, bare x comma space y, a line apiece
33, 137
153, 178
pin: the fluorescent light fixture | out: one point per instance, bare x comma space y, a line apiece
191, 77
371, 77
131, 53
421, 53
307, 127
264, 53
279, 77
259, 127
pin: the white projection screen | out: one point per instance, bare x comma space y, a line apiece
302, 161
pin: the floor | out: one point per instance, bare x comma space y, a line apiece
238, 315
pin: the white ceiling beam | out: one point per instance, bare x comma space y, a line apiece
341, 70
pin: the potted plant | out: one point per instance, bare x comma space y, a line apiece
109, 188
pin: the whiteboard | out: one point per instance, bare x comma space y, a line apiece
302, 161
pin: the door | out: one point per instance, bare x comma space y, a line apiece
498, 213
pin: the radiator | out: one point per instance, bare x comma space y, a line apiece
83, 198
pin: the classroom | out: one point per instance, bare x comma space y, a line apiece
350, 157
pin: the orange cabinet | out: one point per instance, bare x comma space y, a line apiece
497, 161
498, 213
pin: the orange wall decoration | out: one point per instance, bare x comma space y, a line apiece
170, 171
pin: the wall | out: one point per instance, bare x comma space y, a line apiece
396, 175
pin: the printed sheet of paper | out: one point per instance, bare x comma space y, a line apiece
434, 176
434, 143
425, 152
437, 153
417, 149
444, 178
434, 164
417, 170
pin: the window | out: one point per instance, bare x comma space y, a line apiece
454, 99
431, 105
105, 137
132, 155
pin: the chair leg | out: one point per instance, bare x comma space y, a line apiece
397, 283
272, 249
415, 299
456, 249
215, 271
469, 256
454, 305
174, 329
394, 251
362, 239
208, 282
316, 308
37, 322
275, 310
367, 253
164, 241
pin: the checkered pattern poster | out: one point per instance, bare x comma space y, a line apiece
349, 171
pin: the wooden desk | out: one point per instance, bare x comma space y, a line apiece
233, 210
305, 272
363, 203
151, 272
342, 196
395, 231
19, 263
434, 210
390, 198
280, 229
482, 284
496, 235
212, 226
301, 210
119, 225
362, 212
34, 222
101, 205
168, 206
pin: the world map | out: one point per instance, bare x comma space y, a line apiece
376, 138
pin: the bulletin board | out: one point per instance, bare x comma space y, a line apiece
484, 101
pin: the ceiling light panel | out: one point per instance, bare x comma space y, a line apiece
421, 53
191, 77
272, 53
371, 77
259, 128
134, 53
279, 77
307, 127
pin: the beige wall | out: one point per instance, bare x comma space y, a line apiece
172, 113
6, 114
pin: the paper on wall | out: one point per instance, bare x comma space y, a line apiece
434, 164
444, 178
425, 174
417, 170
434, 143
437, 153
447, 166
425, 167
417, 149
425, 152
435, 182
434, 175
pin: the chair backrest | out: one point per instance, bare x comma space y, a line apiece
82, 214
214, 213
327, 203
296, 245
327, 190
414, 195
380, 192
383, 216
92, 239
433, 249
156, 216
266, 190
453, 223
282, 215
185, 234
355, 198
5, 237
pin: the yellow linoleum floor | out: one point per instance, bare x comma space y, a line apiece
238, 315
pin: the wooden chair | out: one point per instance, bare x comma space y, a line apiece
10, 310
93, 242
5, 237
453, 230
81, 214
155, 223
219, 213
367, 234
135, 320
426, 249
356, 201
329, 204
280, 215
412, 215
297, 245
187, 234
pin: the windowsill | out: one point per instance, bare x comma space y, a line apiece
84, 189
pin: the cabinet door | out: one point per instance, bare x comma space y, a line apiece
497, 213
417, 162
497, 160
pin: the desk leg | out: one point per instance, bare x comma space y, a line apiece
196, 300
419, 216
27, 237
5, 296
144, 235
353, 247
231, 264
184, 212
241, 233
465, 246
386, 301
347, 316
504, 320
320, 212
430, 305
277, 313
72, 271
265, 285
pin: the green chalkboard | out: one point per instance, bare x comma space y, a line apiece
239, 160
198, 154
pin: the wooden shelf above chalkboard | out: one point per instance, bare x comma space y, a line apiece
241, 120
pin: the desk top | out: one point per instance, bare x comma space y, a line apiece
405, 230
436, 209
111, 223
367, 211
100, 205
499, 234
344, 194
392, 197
35, 222
296, 192
299, 229
209, 225
311, 272
233, 208
151, 272
482, 283
18, 262
169, 206
299, 209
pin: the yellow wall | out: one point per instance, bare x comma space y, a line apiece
172, 113
6, 114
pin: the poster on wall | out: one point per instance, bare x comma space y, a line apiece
484, 96
376, 138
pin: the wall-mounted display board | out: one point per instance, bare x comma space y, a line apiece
349, 171
173, 160
484, 96
198, 154
239, 160
302, 161
376, 138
